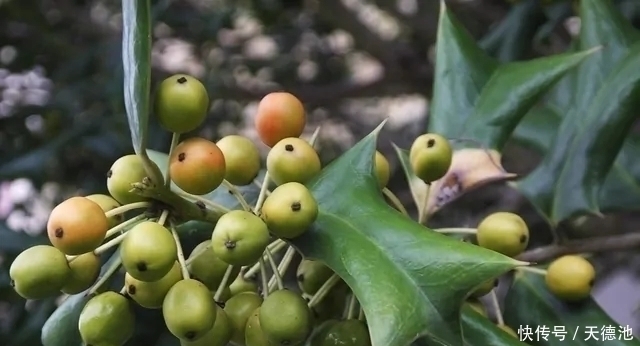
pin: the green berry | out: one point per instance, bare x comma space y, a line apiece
382, 169
239, 308
151, 294
285, 318
107, 319
181, 103
239, 238
503, 232
570, 278
39, 272
148, 251
290, 210
124, 172
189, 310
219, 335
242, 159
312, 275
430, 157
206, 267
84, 272
292, 160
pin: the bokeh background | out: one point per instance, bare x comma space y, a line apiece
352, 62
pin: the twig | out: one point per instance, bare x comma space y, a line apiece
395, 201
457, 230
361, 313
597, 244
534, 270
108, 245
259, 185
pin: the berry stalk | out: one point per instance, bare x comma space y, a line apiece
324, 290
351, 308
175, 139
223, 283
422, 211
284, 264
457, 230
234, 191
534, 270
131, 222
125, 208
264, 188
207, 203
275, 247
111, 270
181, 260
276, 271
395, 201
263, 278
108, 245
496, 307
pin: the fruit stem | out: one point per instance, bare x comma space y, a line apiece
234, 191
351, 309
123, 290
195, 255
315, 136
163, 217
395, 201
263, 277
223, 284
259, 185
176, 238
284, 264
108, 245
112, 269
323, 290
112, 231
175, 138
422, 210
125, 208
361, 314
181, 208
534, 270
263, 194
276, 271
456, 230
275, 247
496, 307
213, 205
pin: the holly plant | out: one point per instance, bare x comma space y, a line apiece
193, 247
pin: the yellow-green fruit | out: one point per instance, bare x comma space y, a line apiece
148, 251
312, 275
320, 333
485, 288
508, 330
292, 160
239, 309
197, 166
242, 159
125, 171
84, 272
503, 232
181, 103
151, 294
240, 284
108, 203
285, 318
107, 319
430, 157
219, 335
189, 310
206, 267
239, 238
382, 169
253, 335
348, 332
570, 277
77, 225
39, 272
289, 210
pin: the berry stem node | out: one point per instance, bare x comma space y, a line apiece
224, 283
127, 207
457, 230
183, 264
234, 191
395, 201
323, 290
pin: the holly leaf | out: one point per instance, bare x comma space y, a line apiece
461, 71
417, 187
538, 128
399, 270
601, 25
513, 89
608, 121
480, 331
529, 306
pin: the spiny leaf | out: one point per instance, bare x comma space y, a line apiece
609, 120
461, 70
417, 187
529, 306
601, 25
537, 129
512, 90
410, 280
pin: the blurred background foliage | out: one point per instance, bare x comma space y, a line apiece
353, 63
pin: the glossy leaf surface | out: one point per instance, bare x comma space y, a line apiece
410, 280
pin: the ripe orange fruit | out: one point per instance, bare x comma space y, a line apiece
280, 115
197, 166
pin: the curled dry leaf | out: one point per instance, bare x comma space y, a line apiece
470, 169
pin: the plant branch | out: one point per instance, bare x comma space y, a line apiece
207, 203
591, 245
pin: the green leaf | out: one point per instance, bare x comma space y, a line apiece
417, 187
480, 331
537, 129
609, 119
601, 25
410, 280
530, 305
136, 58
512, 36
461, 71
512, 90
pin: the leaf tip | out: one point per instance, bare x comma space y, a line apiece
377, 130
